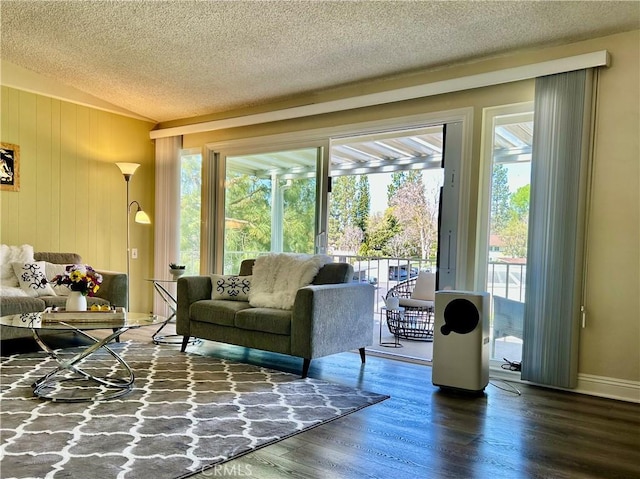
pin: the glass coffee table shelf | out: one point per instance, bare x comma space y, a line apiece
162, 288
83, 375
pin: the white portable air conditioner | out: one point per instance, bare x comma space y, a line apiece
461, 340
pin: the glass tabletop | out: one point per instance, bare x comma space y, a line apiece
35, 321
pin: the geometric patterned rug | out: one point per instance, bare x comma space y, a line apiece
186, 413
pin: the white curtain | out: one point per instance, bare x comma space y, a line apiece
559, 179
167, 214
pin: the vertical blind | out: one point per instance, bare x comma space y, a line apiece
559, 172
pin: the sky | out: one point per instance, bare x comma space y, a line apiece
378, 184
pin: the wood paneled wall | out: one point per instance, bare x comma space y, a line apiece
72, 196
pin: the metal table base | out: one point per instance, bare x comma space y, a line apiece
171, 301
110, 387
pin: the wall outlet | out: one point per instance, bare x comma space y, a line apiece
134, 253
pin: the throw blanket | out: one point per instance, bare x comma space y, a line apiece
278, 276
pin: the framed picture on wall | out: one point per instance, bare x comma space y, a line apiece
9, 167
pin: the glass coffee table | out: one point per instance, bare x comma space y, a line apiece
86, 383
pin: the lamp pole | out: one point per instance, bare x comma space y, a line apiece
128, 169
126, 179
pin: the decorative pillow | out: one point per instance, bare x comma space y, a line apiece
13, 254
52, 270
235, 288
425, 287
32, 279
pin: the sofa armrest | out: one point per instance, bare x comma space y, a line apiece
190, 290
113, 288
332, 318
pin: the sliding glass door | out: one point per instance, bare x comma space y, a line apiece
508, 140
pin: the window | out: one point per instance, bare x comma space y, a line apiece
190, 210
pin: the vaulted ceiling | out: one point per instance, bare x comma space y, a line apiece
166, 60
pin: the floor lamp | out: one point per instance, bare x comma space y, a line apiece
128, 169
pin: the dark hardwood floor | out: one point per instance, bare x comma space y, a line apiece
425, 432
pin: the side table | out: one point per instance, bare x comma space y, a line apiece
391, 314
161, 287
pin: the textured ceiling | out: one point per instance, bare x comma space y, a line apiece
166, 60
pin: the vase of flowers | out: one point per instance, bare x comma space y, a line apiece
176, 270
76, 301
83, 281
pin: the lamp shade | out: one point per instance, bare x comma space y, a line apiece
142, 218
128, 169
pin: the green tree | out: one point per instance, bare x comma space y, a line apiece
515, 232
299, 216
363, 203
342, 212
400, 178
499, 199
247, 217
519, 202
418, 220
190, 207
381, 228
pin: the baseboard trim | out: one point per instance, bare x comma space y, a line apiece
611, 388
601, 386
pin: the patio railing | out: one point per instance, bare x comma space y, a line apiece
506, 280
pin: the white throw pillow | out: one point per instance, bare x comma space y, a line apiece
278, 276
425, 288
13, 254
32, 279
12, 292
52, 270
235, 288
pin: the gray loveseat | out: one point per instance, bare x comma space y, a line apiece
331, 315
113, 291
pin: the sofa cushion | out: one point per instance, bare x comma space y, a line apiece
19, 305
216, 311
231, 287
334, 273
267, 320
416, 303
58, 258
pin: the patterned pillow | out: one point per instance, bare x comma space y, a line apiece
33, 279
235, 288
